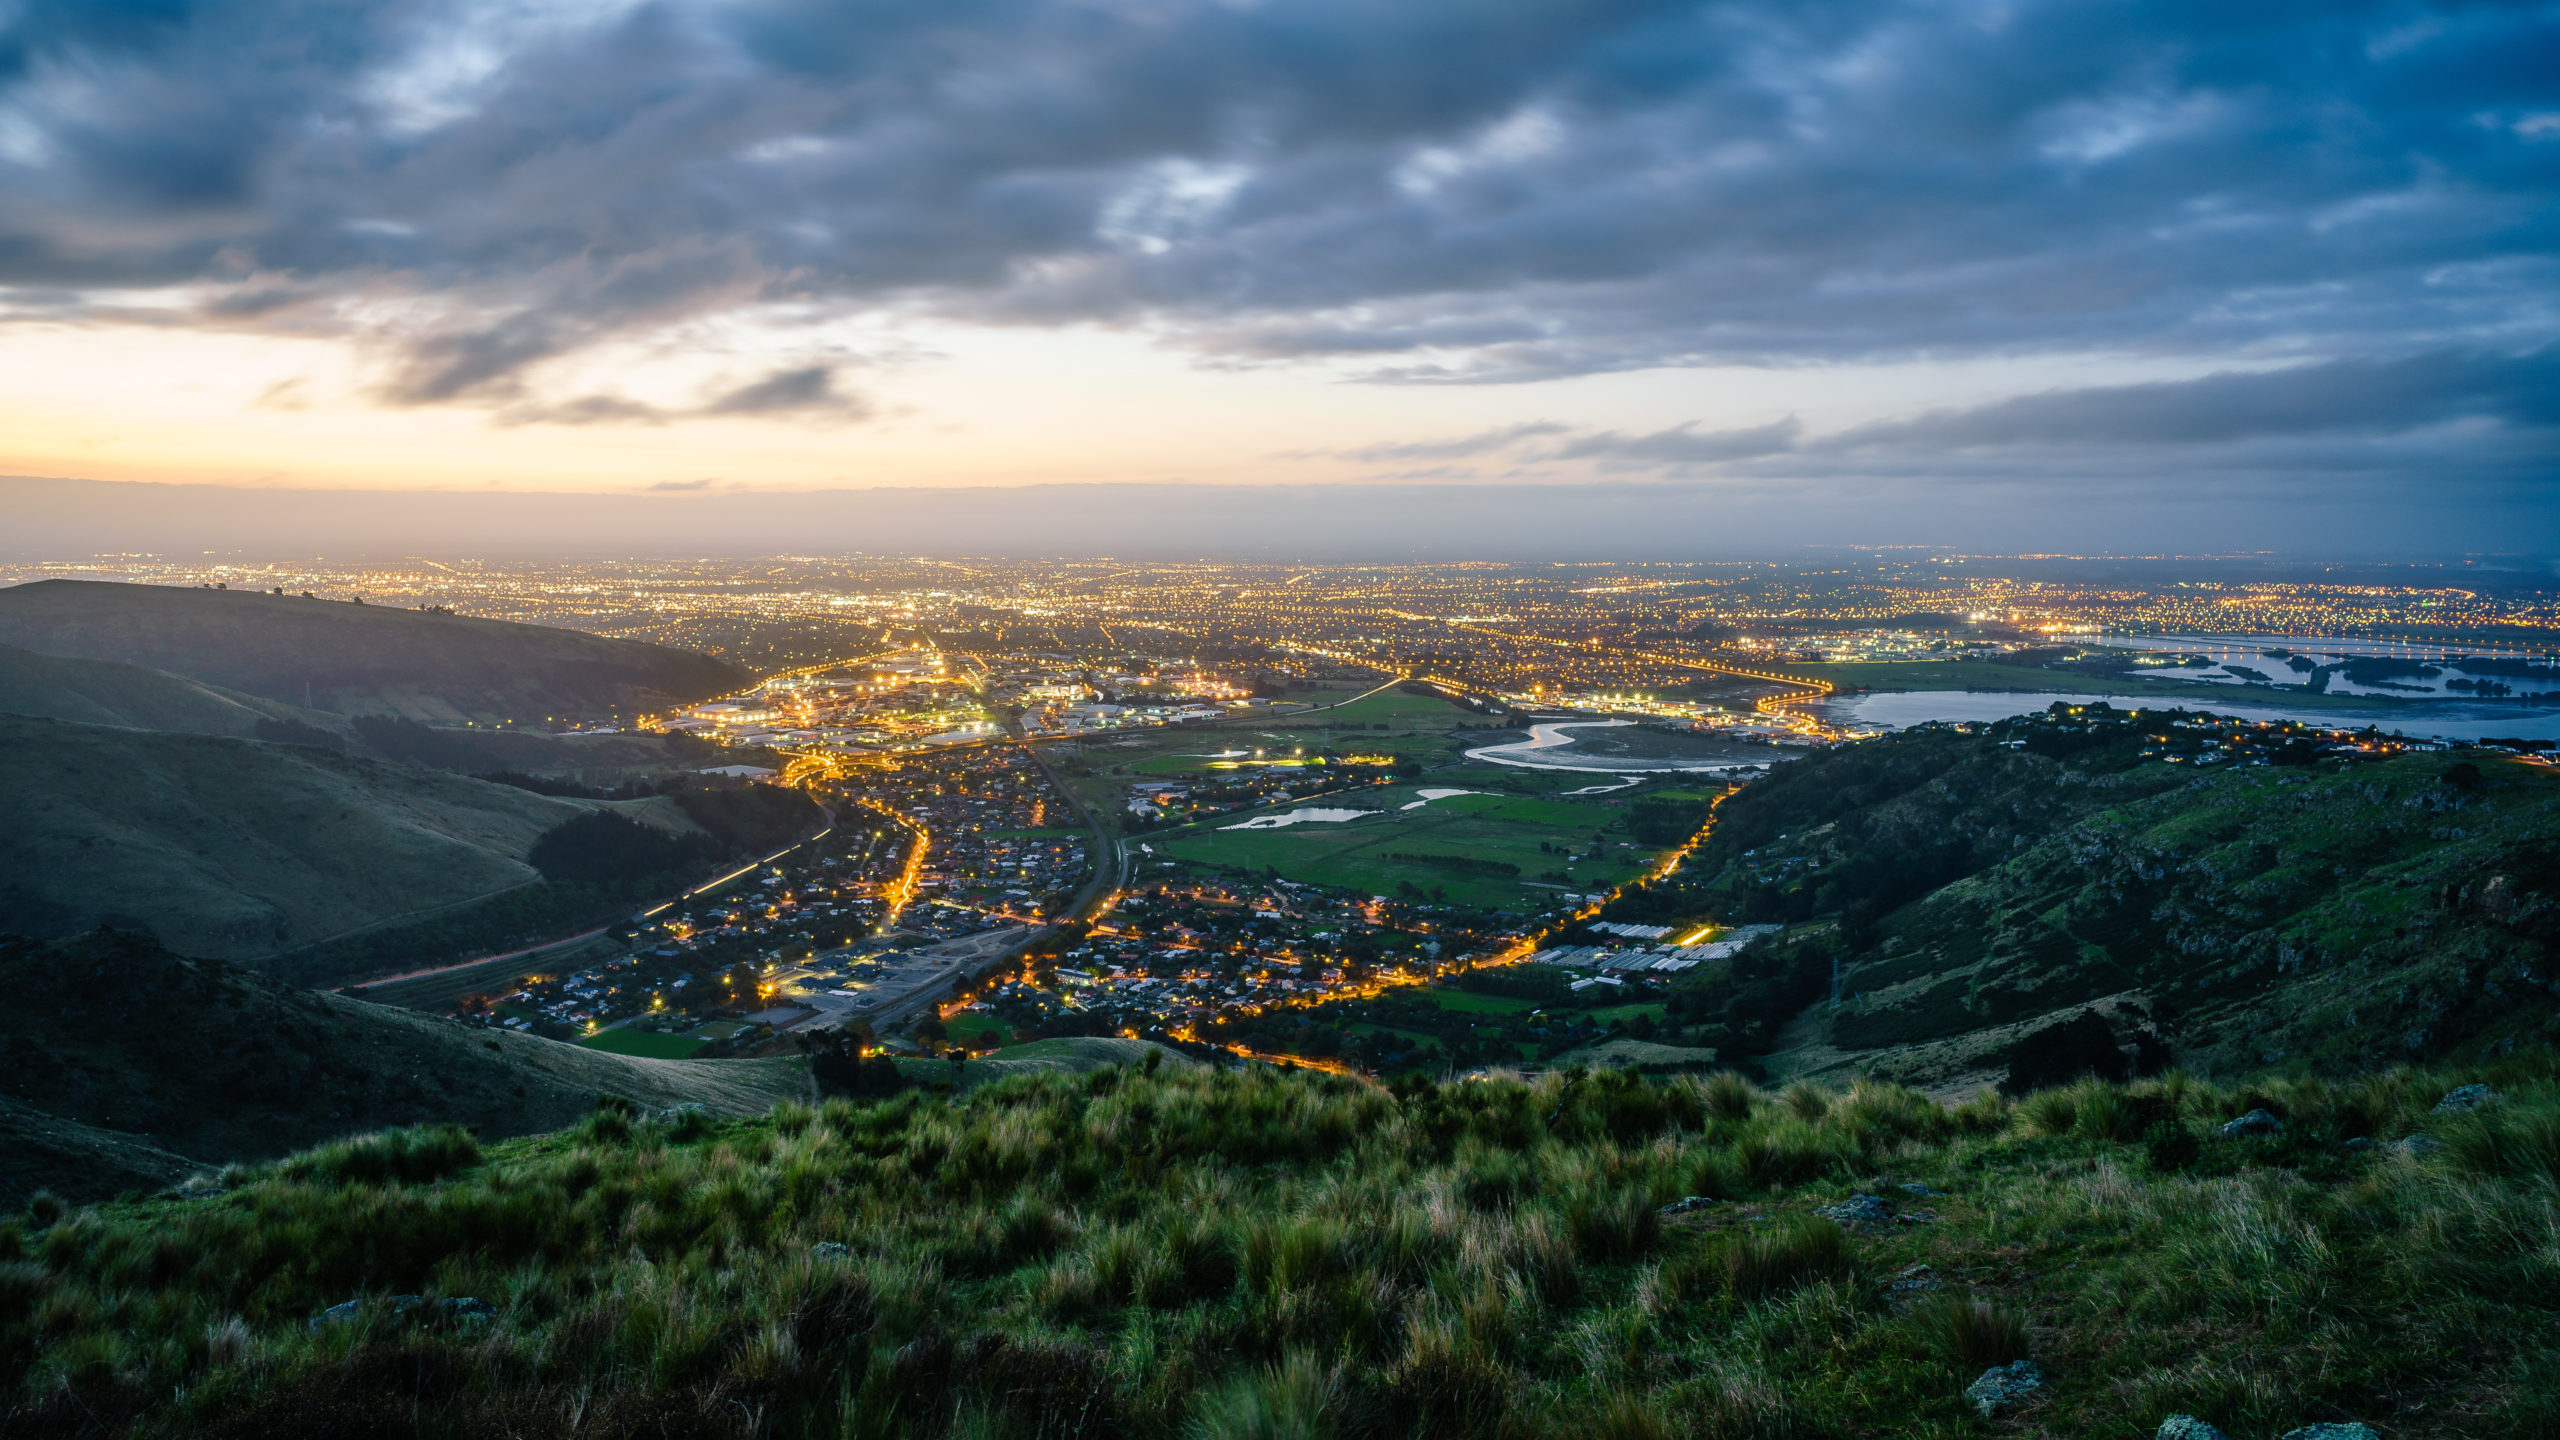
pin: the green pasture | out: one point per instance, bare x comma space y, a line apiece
646, 1044
1466, 1003
1354, 854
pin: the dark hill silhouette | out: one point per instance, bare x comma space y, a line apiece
131, 1066
359, 659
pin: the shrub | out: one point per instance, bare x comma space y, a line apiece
1800, 1251
415, 1156
1806, 1101
1987, 1113
1446, 1385
2506, 1142
1729, 1096
2170, 1147
1293, 1400
1614, 1226
1627, 1417
2103, 1112
1790, 1152
1972, 1334
2050, 1112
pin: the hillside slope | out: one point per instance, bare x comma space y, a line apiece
1163, 1253
105, 692
128, 1065
237, 848
358, 659
1974, 889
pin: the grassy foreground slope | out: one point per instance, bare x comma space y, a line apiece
236, 848
130, 1066
358, 659
1263, 1255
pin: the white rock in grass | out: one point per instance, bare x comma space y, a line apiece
2003, 1386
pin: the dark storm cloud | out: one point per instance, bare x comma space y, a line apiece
2342, 397
1440, 190
2337, 416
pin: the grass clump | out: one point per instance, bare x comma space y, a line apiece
1800, 1252
1972, 1334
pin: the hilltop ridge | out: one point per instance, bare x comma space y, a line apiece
359, 659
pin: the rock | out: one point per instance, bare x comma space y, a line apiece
344, 1313
1917, 1280
2352, 1430
1857, 1210
2362, 1142
2003, 1386
829, 1250
470, 1309
1914, 1187
2256, 1122
1685, 1204
2468, 1097
2187, 1427
2418, 1147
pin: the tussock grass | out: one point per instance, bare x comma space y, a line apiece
1257, 1254
1973, 1334
1805, 1250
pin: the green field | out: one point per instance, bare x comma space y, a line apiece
647, 1044
964, 1025
1355, 854
1470, 1004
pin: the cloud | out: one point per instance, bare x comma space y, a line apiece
1428, 192
1681, 447
2340, 397
585, 410
807, 390
677, 487
1456, 448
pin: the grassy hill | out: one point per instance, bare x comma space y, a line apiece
1236, 1256
238, 848
130, 1066
1973, 889
358, 659
103, 692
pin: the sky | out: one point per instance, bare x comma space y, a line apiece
1842, 265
